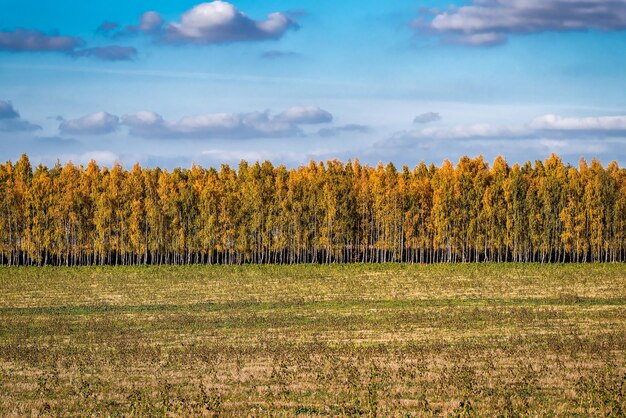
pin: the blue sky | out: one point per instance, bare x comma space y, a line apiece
174, 82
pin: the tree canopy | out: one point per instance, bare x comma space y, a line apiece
329, 212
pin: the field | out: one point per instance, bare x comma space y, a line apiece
373, 340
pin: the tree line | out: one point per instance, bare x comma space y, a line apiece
330, 212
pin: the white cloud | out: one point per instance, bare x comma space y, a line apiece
144, 118
305, 115
489, 22
99, 123
216, 22
569, 136
547, 127
225, 125
566, 147
221, 22
477, 131
600, 123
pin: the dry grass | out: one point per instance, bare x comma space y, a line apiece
390, 340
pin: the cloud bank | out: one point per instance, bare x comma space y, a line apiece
548, 129
601, 124
461, 132
148, 124
226, 125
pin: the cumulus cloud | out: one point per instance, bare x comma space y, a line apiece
10, 120
427, 117
216, 22
23, 40
305, 115
99, 123
108, 53
338, 130
221, 22
223, 125
490, 22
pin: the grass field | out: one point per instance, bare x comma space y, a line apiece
385, 340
